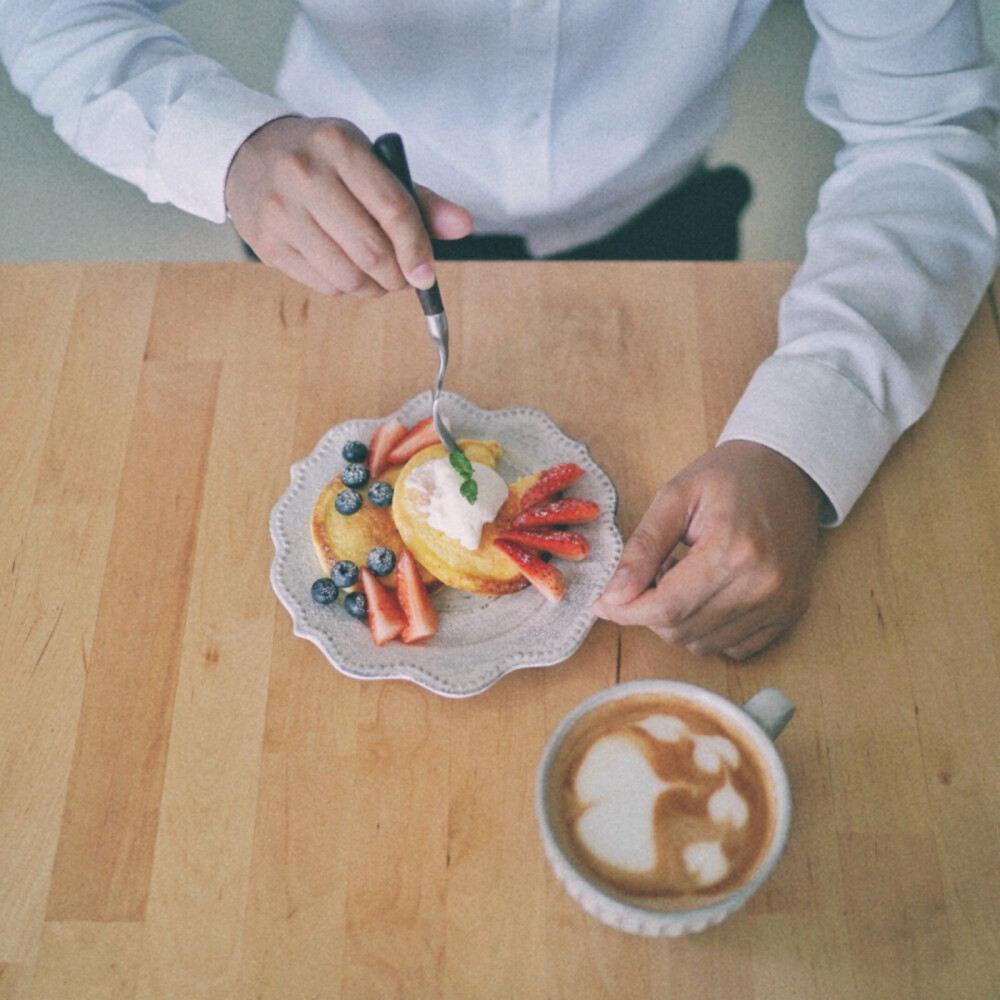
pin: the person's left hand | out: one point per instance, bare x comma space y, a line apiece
751, 519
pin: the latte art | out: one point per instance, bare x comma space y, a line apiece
616, 824
660, 803
618, 790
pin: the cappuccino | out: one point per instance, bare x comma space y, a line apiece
661, 800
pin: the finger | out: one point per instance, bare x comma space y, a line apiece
397, 217
310, 216
742, 632
444, 219
680, 608
696, 587
757, 642
402, 222
291, 262
310, 256
733, 603
661, 529
348, 217
716, 611
736, 621
665, 567
334, 262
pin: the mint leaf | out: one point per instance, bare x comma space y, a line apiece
470, 490
461, 464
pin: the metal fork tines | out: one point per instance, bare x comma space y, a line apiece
437, 325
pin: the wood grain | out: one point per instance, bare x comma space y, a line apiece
116, 784
195, 804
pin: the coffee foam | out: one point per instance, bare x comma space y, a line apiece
661, 802
727, 806
706, 861
618, 790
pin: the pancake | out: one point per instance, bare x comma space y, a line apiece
485, 570
338, 536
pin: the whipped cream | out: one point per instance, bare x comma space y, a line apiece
437, 486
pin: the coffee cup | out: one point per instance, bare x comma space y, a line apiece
663, 807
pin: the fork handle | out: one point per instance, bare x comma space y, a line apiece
389, 149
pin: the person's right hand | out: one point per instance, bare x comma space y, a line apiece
311, 198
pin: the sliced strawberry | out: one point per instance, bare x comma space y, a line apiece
571, 510
385, 438
385, 616
421, 616
418, 437
546, 577
568, 544
551, 482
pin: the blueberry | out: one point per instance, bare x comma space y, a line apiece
381, 560
380, 493
355, 451
344, 573
324, 591
354, 475
356, 604
348, 502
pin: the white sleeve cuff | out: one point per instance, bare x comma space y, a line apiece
198, 139
814, 416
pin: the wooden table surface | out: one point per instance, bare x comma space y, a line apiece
195, 804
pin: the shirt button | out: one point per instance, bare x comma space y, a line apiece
530, 119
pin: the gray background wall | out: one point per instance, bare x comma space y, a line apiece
54, 206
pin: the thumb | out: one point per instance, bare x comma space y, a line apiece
662, 527
445, 220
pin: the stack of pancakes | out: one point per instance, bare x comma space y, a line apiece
443, 560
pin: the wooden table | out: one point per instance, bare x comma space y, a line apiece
194, 804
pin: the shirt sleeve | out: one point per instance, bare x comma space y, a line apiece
127, 93
901, 247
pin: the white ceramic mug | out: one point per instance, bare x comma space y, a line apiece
755, 725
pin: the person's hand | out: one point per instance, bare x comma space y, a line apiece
311, 198
751, 519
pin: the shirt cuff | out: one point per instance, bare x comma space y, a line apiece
818, 419
199, 138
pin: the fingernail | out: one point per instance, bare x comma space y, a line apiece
422, 276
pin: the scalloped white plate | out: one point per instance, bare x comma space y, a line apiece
480, 638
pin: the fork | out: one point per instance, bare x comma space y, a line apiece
437, 326
389, 149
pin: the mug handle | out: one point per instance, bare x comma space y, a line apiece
771, 709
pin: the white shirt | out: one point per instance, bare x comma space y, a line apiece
559, 119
